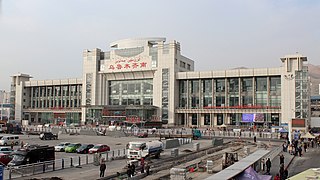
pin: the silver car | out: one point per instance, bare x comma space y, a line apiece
60, 147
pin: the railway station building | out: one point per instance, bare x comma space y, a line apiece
149, 80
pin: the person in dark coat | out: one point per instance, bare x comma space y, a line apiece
147, 168
103, 167
133, 169
129, 171
281, 159
268, 164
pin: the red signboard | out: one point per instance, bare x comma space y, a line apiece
298, 123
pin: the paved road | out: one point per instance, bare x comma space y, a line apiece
310, 159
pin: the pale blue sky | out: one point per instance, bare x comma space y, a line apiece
45, 38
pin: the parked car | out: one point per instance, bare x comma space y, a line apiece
72, 148
143, 135
99, 148
48, 135
5, 159
60, 147
5, 150
85, 148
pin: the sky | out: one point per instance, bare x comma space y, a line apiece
46, 38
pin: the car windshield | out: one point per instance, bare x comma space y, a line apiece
135, 146
96, 147
61, 144
71, 145
17, 157
84, 146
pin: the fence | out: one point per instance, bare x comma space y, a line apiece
58, 164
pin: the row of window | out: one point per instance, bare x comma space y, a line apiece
232, 85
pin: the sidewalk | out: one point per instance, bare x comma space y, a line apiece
275, 163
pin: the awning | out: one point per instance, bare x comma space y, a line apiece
308, 135
283, 130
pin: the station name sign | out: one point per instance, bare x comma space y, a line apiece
128, 64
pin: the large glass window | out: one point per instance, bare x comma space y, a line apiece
261, 91
194, 119
220, 85
183, 93
206, 119
219, 119
194, 95
233, 85
220, 101
207, 92
246, 84
135, 92
275, 91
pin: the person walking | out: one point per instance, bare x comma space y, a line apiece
254, 139
142, 165
129, 171
281, 159
147, 168
133, 169
268, 164
103, 167
12, 144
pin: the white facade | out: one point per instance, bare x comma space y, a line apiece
143, 78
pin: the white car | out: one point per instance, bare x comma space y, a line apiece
60, 147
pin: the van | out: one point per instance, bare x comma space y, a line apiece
7, 140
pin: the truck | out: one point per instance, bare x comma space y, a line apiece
138, 150
32, 154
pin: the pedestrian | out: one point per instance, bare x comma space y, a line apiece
290, 149
300, 151
12, 144
254, 139
305, 146
286, 174
133, 169
268, 164
147, 168
281, 171
281, 159
142, 165
103, 167
129, 171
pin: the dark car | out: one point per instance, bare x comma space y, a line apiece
84, 148
48, 135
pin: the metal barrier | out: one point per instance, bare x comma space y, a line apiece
58, 164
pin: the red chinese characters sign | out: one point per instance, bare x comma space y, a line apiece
128, 64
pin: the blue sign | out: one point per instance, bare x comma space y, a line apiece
1, 172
